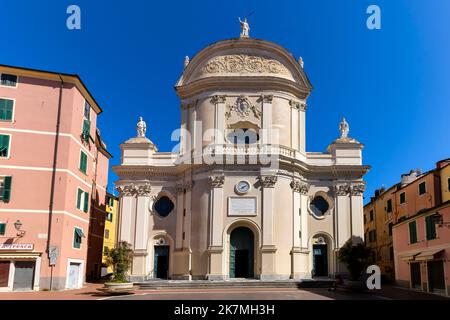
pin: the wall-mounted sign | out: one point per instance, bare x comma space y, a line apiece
16, 246
242, 206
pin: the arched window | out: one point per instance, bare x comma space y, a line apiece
243, 136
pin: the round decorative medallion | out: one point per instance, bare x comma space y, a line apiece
242, 187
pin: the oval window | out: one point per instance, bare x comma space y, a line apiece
163, 206
319, 206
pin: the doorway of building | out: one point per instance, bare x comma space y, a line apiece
320, 260
241, 253
416, 281
74, 275
436, 277
23, 275
161, 262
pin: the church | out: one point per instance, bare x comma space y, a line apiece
240, 196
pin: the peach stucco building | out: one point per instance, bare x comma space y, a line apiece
421, 236
53, 170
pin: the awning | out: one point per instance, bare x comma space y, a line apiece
80, 233
428, 255
10, 255
409, 257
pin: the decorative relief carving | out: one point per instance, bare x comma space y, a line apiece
358, 189
218, 99
266, 98
184, 187
243, 63
243, 107
216, 181
298, 105
132, 189
268, 181
144, 190
298, 186
341, 190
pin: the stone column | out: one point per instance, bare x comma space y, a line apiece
180, 217
295, 130
215, 249
343, 220
357, 223
268, 249
127, 204
183, 254
267, 118
302, 127
219, 120
303, 270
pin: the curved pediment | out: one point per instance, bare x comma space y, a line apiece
238, 62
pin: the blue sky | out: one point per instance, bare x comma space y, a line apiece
391, 84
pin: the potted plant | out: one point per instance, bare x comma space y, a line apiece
354, 254
120, 259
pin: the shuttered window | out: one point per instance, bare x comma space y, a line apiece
402, 197
2, 229
77, 237
4, 145
82, 200
83, 162
6, 109
86, 130
5, 188
430, 228
412, 232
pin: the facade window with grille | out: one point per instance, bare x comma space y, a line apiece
8, 80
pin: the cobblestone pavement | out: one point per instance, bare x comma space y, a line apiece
89, 292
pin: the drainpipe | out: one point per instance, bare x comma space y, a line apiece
52, 186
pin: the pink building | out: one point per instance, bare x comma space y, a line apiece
421, 236
53, 171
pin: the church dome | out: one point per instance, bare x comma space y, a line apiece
243, 63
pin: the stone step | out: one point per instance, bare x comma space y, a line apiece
203, 284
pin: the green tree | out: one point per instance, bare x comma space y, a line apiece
120, 259
355, 255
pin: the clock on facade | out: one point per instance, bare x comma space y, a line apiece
242, 187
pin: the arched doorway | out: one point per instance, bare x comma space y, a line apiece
241, 253
320, 254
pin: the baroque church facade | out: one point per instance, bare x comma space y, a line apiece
241, 197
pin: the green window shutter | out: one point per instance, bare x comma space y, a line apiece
79, 194
6, 196
4, 145
86, 202
430, 227
2, 229
412, 232
6, 108
76, 239
86, 129
83, 162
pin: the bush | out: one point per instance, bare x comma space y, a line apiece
355, 255
120, 259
